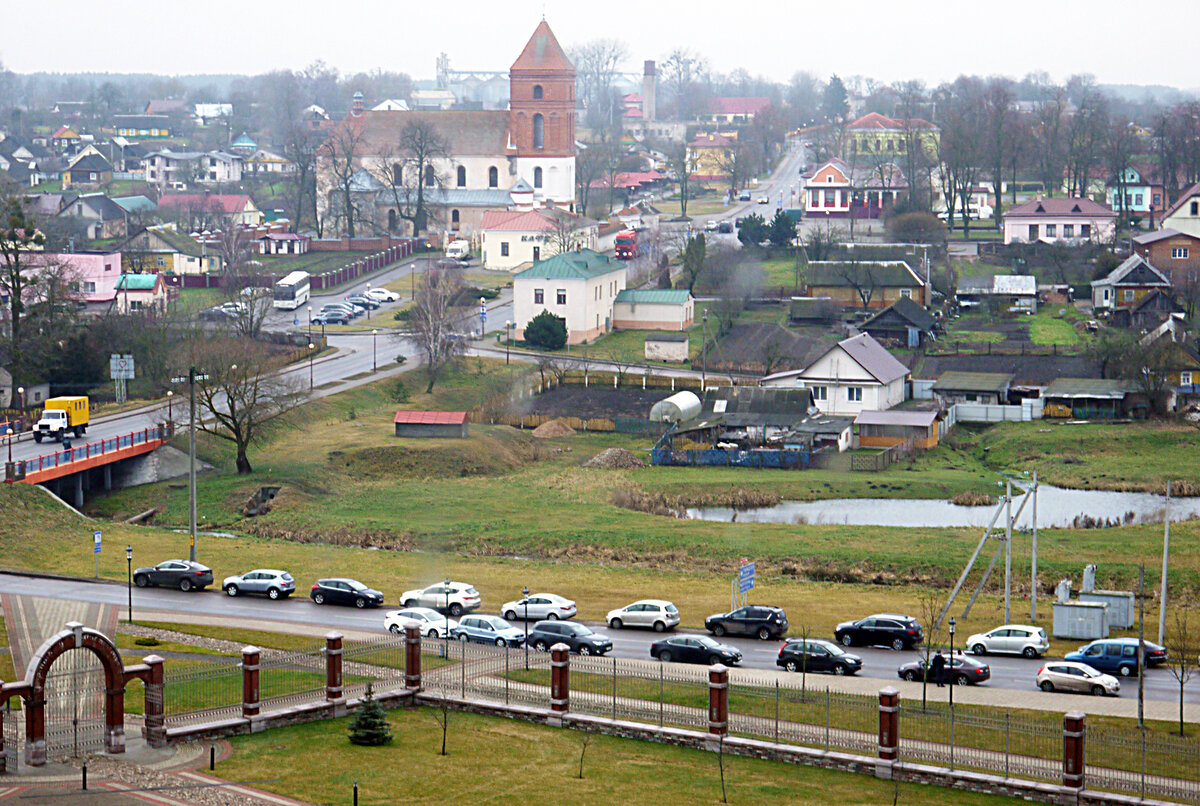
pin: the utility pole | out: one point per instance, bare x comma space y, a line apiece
1033, 588
1162, 599
703, 351
1141, 650
1008, 552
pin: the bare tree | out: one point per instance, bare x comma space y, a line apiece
681, 163
1120, 143
592, 164
1085, 140
1049, 137
19, 237
733, 161
682, 70
929, 607
340, 158
409, 170
998, 114
585, 740
433, 322
1181, 652
244, 393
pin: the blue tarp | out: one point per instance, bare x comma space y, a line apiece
787, 460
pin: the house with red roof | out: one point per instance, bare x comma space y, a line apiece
515, 239
210, 210
736, 110
873, 134
708, 155
1061, 218
836, 189
427, 424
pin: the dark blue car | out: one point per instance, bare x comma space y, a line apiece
1117, 655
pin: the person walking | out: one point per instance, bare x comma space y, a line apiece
937, 669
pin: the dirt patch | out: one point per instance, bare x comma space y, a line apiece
614, 459
357, 538
971, 498
596, 401
553, 429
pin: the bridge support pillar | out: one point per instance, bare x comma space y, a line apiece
78, 490
108, 477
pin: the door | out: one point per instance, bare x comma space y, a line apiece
819, 659
255, 582
737, 622
1094, 656
539, 606
434, 596
537, 253
864, 633
638, 615
689, 650
74, 708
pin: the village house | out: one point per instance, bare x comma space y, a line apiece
144, 127
735, 111
164, 249
1147, 313
1175, 253
1141, 197
855, 375
210, 210
973, 387
141, 293
1066, 219
885, 429
1016, 291
103, 217
1184, 215
709, 155
91, 276
865, 283
653, 309
65, 138
514, 239
176, 168
836, 189
88, 168
1125, 285
904, 323
876, 135
580, 287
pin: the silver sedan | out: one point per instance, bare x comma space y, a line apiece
538, 607
1065, 675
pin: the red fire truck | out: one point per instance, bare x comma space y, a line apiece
627, 245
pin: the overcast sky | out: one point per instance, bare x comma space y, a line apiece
1119, 42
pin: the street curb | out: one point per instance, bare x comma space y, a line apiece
57, 577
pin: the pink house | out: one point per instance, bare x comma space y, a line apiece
93, 274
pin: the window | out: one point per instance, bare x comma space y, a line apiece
1085, 230
430, 177
493, 177
1185, 378
539, 296
462, 176
560, 296
537, 92
1128, 293
816, 198
1179, 252
1051, 230
1033, 232
537, 177
1195, 208
1068, 230
398, 175
539, 131
1137, 199
89, 287
504, 253
454, 219
830, 196
854, 394
906, 293
819, 393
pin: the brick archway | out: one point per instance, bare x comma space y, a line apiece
116, 675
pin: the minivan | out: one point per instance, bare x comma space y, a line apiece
1117, 655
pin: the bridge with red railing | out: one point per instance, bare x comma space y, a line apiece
78, 458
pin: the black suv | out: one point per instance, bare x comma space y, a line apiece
579, 638
823, 656
758, 620
882, 629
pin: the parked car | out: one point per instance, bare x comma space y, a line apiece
695, 649
331, 318
345, 309
823, 656
183, 574
1117, 655
363, 301
578, 637
487, 630
455, 599
656, 613
1065, 675
882, 629
432, 623
217, 314
382, 294
539, 606
725, 227
234, 307
345, 592
1017, 639
759, 620
269, 582
763, 200
710, 226
744, 196
960, 670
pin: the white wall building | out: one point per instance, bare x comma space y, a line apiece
164, 168
579, 287
512, 239
856, 375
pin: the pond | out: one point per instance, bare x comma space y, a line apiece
1057, 508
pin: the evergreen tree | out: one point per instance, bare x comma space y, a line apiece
370, 725
782, 230
547, 331
836, 103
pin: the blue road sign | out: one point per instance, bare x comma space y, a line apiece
96, 537
746, 578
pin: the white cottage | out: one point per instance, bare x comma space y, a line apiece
855, 375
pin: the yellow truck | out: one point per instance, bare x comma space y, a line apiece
62, 414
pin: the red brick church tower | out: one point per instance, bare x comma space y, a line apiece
542, 98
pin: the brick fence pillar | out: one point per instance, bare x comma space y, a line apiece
1074, 735
718, 700
889, 723
35, 731
333, 668
154, 728
412, 655
250, 658
560, 678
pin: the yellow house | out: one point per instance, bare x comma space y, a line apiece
874, 134
709, 155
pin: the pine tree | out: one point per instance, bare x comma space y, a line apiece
370, 726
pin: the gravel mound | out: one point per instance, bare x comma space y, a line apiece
615, 459
552, 429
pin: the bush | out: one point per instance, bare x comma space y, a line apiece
149, 640
547, 331
397, 391
370, 726
753, 230
916, 228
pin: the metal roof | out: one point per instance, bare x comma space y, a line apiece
431, 417
579, 265
1104, 388
973, 382
922, 419
872, 357
654, 296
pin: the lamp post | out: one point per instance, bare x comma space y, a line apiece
311, 349
21, 395
191, 379
374, 354
129, 578
507, 338
703, 351
310, 323
525, 593
170, 415
950, 667
446, 616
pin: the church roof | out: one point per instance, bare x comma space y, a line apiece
543, 52
468, 133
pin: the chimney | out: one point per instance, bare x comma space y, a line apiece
649, 90
356, 107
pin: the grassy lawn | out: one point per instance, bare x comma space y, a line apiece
1046, 328
780, 272
985, 336
194, 300
316, 763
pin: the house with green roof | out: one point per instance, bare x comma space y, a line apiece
580, 287
141, 293
653, 309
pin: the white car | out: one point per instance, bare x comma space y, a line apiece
381, 294
270, 582
540, 606
432, 623
763, 200
1015, 639
455, 599
1065, 675
656, 613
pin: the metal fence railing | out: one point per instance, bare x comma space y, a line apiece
962, 738
202, 692
640, 691
791, 713
1133, 761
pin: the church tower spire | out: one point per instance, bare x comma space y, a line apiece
542, 98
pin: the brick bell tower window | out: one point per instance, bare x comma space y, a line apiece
539, 131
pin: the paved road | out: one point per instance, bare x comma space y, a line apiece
1007, 673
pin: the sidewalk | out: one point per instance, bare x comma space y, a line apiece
30, 620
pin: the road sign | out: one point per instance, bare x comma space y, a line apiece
120, 367
96, 537
746, 578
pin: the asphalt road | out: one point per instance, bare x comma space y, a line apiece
1015, 674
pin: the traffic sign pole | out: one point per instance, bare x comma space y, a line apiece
96, 538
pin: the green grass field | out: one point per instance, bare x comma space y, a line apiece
1046, 328
492, 760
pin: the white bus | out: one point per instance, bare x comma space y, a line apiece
292, 291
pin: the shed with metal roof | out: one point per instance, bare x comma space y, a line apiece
452, 424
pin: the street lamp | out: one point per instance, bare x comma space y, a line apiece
446, 632
170, 395
311, 348
21, 394
507, 338
703, 351
525, 593
374, 355
129, 578
310, 323
950, 666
